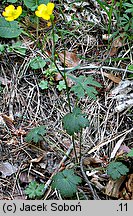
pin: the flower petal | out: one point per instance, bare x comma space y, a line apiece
9, 18
50, 7
46, 16
19, 10
40, 10
9, 8
42, 7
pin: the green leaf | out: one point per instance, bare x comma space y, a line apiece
34, 189
36, 134
117, 169
66, 182
125, 15
18, 48
61, 85
75, 121
12, 1
33, 4
2, 48
130, 154
37, 63
85, 85
51, 71
130, 10
9, 29
128, 5
44, 2
43, 84
130, 67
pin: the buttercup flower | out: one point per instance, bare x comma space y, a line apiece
44, 11
11, 13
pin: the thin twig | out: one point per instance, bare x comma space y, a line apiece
91, 66
86, 179
57, 169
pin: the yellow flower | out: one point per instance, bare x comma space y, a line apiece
11, 13
44, 11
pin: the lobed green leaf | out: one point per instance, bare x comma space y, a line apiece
75, 121
34, 189
117, 169
66, 182
36, 134
85, 85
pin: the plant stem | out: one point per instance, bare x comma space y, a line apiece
63, 74
53, 48
120, 8
110, 17
80, 145
74, 149
37, 27
67, 92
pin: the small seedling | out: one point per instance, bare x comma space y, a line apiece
50, 72
43, 84
34, 190
37, 63
61, 85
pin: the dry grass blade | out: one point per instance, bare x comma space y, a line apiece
117, 146
100, 145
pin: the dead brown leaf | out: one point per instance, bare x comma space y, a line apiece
91, 161
7, 169
58, 77
127, 191
113, 51
9, 122
71, 59
113, 187
112, 77
26, 177
129, 184
117, 43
